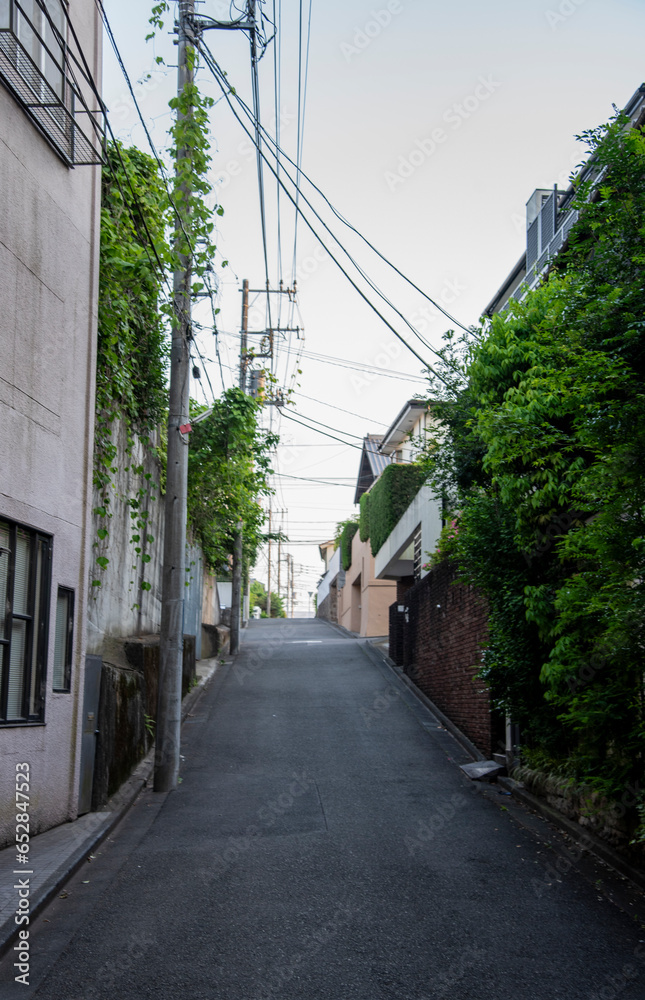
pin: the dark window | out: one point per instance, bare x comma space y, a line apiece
25, 566
63, 639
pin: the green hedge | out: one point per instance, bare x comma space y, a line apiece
364, 522
346, 537
389, 498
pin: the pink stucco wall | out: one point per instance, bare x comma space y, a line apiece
363, 603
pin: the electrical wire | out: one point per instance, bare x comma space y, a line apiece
368, 420
210, 61
324, 433
255, 86
302, 103
160, 164
299, 172
357, 437
319, 482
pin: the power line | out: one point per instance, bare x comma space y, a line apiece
219, 75
322, 402
324, 433
322, 481
357, 437
225, 87
160, 164
301, 125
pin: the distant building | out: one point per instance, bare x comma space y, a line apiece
549, 219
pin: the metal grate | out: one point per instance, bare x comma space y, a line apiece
55, 116
532, 244
546, 222
417, 554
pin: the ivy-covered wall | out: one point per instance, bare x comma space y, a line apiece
388, 500
364, 519
346, 537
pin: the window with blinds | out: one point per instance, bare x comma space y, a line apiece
25, 562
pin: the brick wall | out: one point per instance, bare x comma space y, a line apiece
438, 642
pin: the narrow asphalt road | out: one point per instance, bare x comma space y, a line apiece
324, 845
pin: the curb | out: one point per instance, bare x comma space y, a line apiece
447, 723
584, 838
117, 808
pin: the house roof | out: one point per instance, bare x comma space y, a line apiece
322, 548
403, 424
372, 464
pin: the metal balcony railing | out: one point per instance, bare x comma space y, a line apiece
48, 78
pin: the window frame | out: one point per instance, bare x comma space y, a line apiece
69, 641
37, 622
57, 107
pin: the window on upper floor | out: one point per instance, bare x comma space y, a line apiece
48, 78
25, 567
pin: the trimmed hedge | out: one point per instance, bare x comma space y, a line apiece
389, 498
364, 522
346, 536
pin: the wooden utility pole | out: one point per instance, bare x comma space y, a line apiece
174, 559
243, 334
269, 573
236, 589
236, 583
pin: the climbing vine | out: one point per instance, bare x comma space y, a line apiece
148, 228
132, 342
228, 470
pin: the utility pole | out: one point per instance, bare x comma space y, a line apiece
236, 588
243, 334
269, 573
168, 726
236, 583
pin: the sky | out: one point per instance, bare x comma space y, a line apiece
427, 126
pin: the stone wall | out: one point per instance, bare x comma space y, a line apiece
328, 609
128, 709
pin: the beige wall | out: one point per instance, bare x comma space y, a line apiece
48, 293
363, 603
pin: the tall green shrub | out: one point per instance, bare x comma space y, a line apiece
390, 497
346, 537
364, 519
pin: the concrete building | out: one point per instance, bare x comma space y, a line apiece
364, 601
404, 553
354, 598
550, 217
49, 244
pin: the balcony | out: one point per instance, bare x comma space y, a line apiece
49, 78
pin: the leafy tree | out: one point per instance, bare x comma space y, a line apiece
228, 468
540, 458
259, 599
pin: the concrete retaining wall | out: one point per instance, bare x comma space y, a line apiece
128, 708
